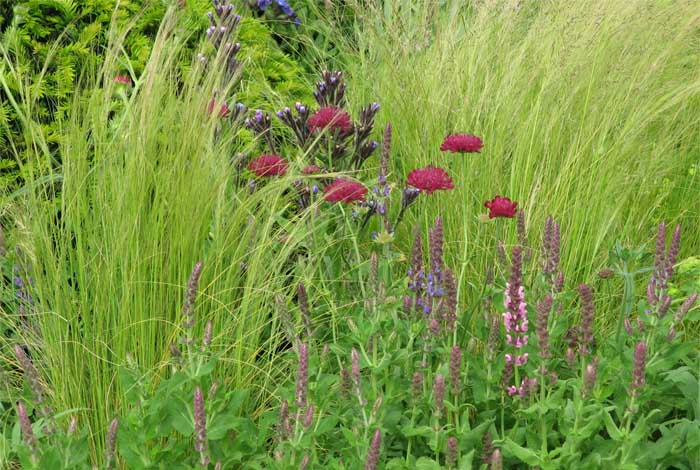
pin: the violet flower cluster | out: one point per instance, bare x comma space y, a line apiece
278, 9
221, 32
664, 262
551, 246
349, 142
434, 292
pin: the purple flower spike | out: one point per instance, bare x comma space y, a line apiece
452, 451
302, 376
374, 449
439, 394
26, 427
111, 442
587, 312
640, 359
200, 427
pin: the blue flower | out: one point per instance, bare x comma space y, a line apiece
286, 8
263, 4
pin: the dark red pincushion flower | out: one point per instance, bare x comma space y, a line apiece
429, 179
343, 190
268, 165
461, 143
311, 170
122, 79
224, 110
334, 118
501, 207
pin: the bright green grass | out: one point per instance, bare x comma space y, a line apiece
141, 198
589, 111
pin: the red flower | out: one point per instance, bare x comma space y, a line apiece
335, 118
268, 165
430, 179
122, 79
461, 143
311, 170
501, 207
342, 190
224, 110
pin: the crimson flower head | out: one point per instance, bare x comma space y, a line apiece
501, 207
429, 179
311, 170
331, 117
343, 190
224, 110
268, 165
122, 79
462, 143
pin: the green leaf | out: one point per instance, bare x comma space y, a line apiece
424, 463
528, 456
411, 431
469, 439
610, 426
465, 463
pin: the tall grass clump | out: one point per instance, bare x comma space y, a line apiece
148, 186
589, 112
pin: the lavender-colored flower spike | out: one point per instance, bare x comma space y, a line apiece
494, 331
308, 418
439, 394
544, 308
417, 385
305, 462
34, 381
302, 376
111, 442
284, 427
26, 427
487, 448
452, 451
374, 449
200, 427
673, 251
502, 257
507, 374
683, 309
191, 296
449, 303
587, 312
589, 379
455, 369
551, 243
206, 339
303, 300
522, 234
640, 359
496, 460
